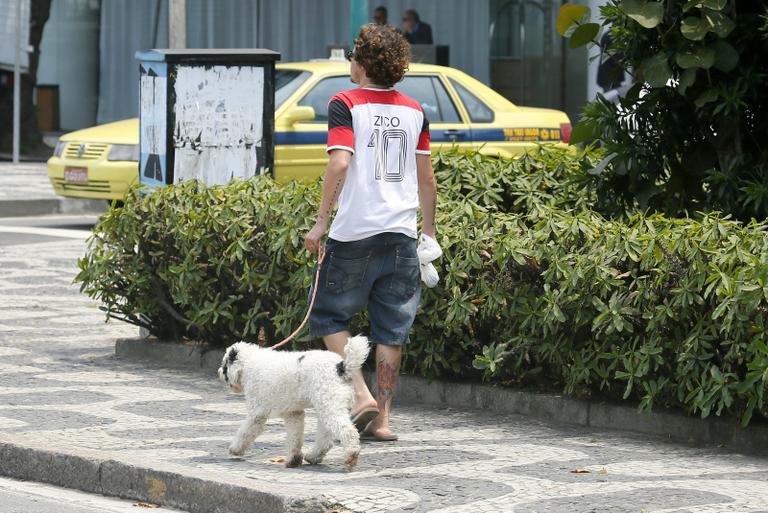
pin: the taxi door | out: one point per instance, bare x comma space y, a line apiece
503, 133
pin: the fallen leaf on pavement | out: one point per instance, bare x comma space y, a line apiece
145, 505
277, 460
581, 471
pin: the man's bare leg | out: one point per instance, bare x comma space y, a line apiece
387, 368
363, 396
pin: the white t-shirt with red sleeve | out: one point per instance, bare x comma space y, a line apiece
384, 130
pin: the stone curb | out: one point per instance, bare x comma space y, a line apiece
171, 354
542, 406
163, 484
593, 414
47, 206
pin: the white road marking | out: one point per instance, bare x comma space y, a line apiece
49, 232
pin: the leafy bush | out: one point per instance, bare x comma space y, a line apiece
669, 311
687, 135
551, 177
225, 263
216, 264
535, 289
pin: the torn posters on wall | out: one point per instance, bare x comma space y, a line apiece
219, 115
152, 133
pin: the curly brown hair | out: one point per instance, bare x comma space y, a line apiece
383, 53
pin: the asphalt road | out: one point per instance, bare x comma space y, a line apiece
30, 230
29, 497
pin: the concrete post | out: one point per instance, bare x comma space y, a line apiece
17, 88
177, 23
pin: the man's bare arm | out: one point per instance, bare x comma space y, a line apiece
427, 194
333, 183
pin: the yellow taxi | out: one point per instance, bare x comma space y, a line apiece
102, 162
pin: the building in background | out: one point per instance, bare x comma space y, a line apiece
69, 59
88, 46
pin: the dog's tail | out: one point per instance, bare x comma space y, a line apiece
355, 354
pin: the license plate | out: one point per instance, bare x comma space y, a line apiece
76, 175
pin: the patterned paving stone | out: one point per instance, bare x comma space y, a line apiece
60, 383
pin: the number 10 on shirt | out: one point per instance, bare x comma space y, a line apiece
390, 147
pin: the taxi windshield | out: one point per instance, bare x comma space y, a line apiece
286, 82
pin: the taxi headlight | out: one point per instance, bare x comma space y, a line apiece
59, 150
124, 152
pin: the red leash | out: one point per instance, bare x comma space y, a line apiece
320, 257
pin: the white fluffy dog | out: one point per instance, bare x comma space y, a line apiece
284, 384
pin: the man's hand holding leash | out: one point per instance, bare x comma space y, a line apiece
313, 239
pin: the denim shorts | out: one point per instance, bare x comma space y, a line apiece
380, 272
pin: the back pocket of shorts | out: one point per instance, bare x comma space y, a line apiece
345, 273
406, 277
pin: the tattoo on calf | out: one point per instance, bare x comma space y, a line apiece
386, 377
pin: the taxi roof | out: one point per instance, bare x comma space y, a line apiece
324, 67
338, 65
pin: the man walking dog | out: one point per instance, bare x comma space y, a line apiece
380, 172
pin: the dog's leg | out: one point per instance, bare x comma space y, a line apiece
252, 427
341, 427
294, 428
323, 444
350, 440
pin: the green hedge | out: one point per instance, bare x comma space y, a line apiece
669, 312
216, 264
535, 288
552, 177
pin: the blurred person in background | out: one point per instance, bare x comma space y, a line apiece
416, 31
380, 15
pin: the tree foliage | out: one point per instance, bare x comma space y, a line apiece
688, 135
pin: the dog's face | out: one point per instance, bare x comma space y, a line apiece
231, 370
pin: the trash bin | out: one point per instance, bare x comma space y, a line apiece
206, 114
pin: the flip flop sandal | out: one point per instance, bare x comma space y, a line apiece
370, 437
364, 417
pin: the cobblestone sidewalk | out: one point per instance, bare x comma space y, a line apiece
60, 384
